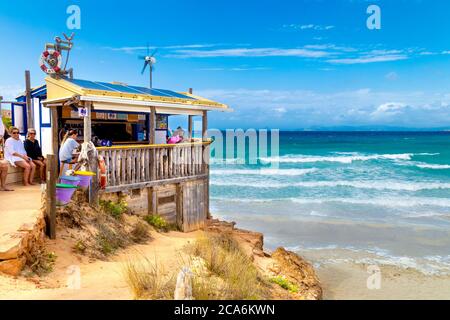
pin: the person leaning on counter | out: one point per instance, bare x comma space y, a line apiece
68, 145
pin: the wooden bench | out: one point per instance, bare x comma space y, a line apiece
15, 175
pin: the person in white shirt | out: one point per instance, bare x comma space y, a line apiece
16, 155
3, 162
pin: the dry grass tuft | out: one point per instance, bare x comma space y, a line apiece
140, 232
148, 280
224, 259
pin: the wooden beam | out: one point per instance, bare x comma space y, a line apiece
190, 122
204, 125
148, 184
87, 129
52, 177
55, 135
30, 120
152, 124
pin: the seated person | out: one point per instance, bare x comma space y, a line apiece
66, 156
3, 163
16, 155
3, 175
34, 151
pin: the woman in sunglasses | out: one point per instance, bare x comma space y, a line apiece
34, 151
17, 156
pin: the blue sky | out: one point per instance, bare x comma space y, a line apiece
278, 64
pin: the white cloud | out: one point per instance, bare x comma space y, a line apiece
308, 27
134, 49
280, 110
391, 76
389, 109
250, 52
369, 59
306, 109
244, 68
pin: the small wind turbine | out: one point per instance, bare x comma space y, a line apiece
149, 60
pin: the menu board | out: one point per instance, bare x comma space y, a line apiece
161, 122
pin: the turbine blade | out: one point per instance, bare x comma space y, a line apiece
154, 52
145, 66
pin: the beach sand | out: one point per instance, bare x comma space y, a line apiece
348, 281
100, 280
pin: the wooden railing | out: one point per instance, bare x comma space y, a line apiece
146, 165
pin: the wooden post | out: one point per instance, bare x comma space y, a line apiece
87, 130
93, 190
55, 135
52, 177
152, 141
206, 160
152, 124
93, 162
204, 125
30, 121
190, 117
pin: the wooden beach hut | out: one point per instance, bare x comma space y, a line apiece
171, 180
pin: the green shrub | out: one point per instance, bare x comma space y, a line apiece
285, 284
158, 222
80, 247
41, 262
108, 241
114, 209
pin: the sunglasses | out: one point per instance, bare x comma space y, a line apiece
32, 133
16, 132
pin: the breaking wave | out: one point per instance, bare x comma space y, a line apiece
268, 172
405, 202
377, 185
345, 159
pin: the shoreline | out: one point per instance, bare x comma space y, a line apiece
348, 281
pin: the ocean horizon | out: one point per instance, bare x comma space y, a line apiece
372, 197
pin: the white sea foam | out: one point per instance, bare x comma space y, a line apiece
403, 202
433, 166
429, 265
267, 172
345, 159
370, 184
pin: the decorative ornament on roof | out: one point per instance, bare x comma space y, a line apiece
51, 60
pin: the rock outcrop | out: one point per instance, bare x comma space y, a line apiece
280, 263
15, 247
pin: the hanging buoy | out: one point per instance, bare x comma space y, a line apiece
102, 169
50, 62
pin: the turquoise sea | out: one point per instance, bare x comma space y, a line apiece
364, 197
